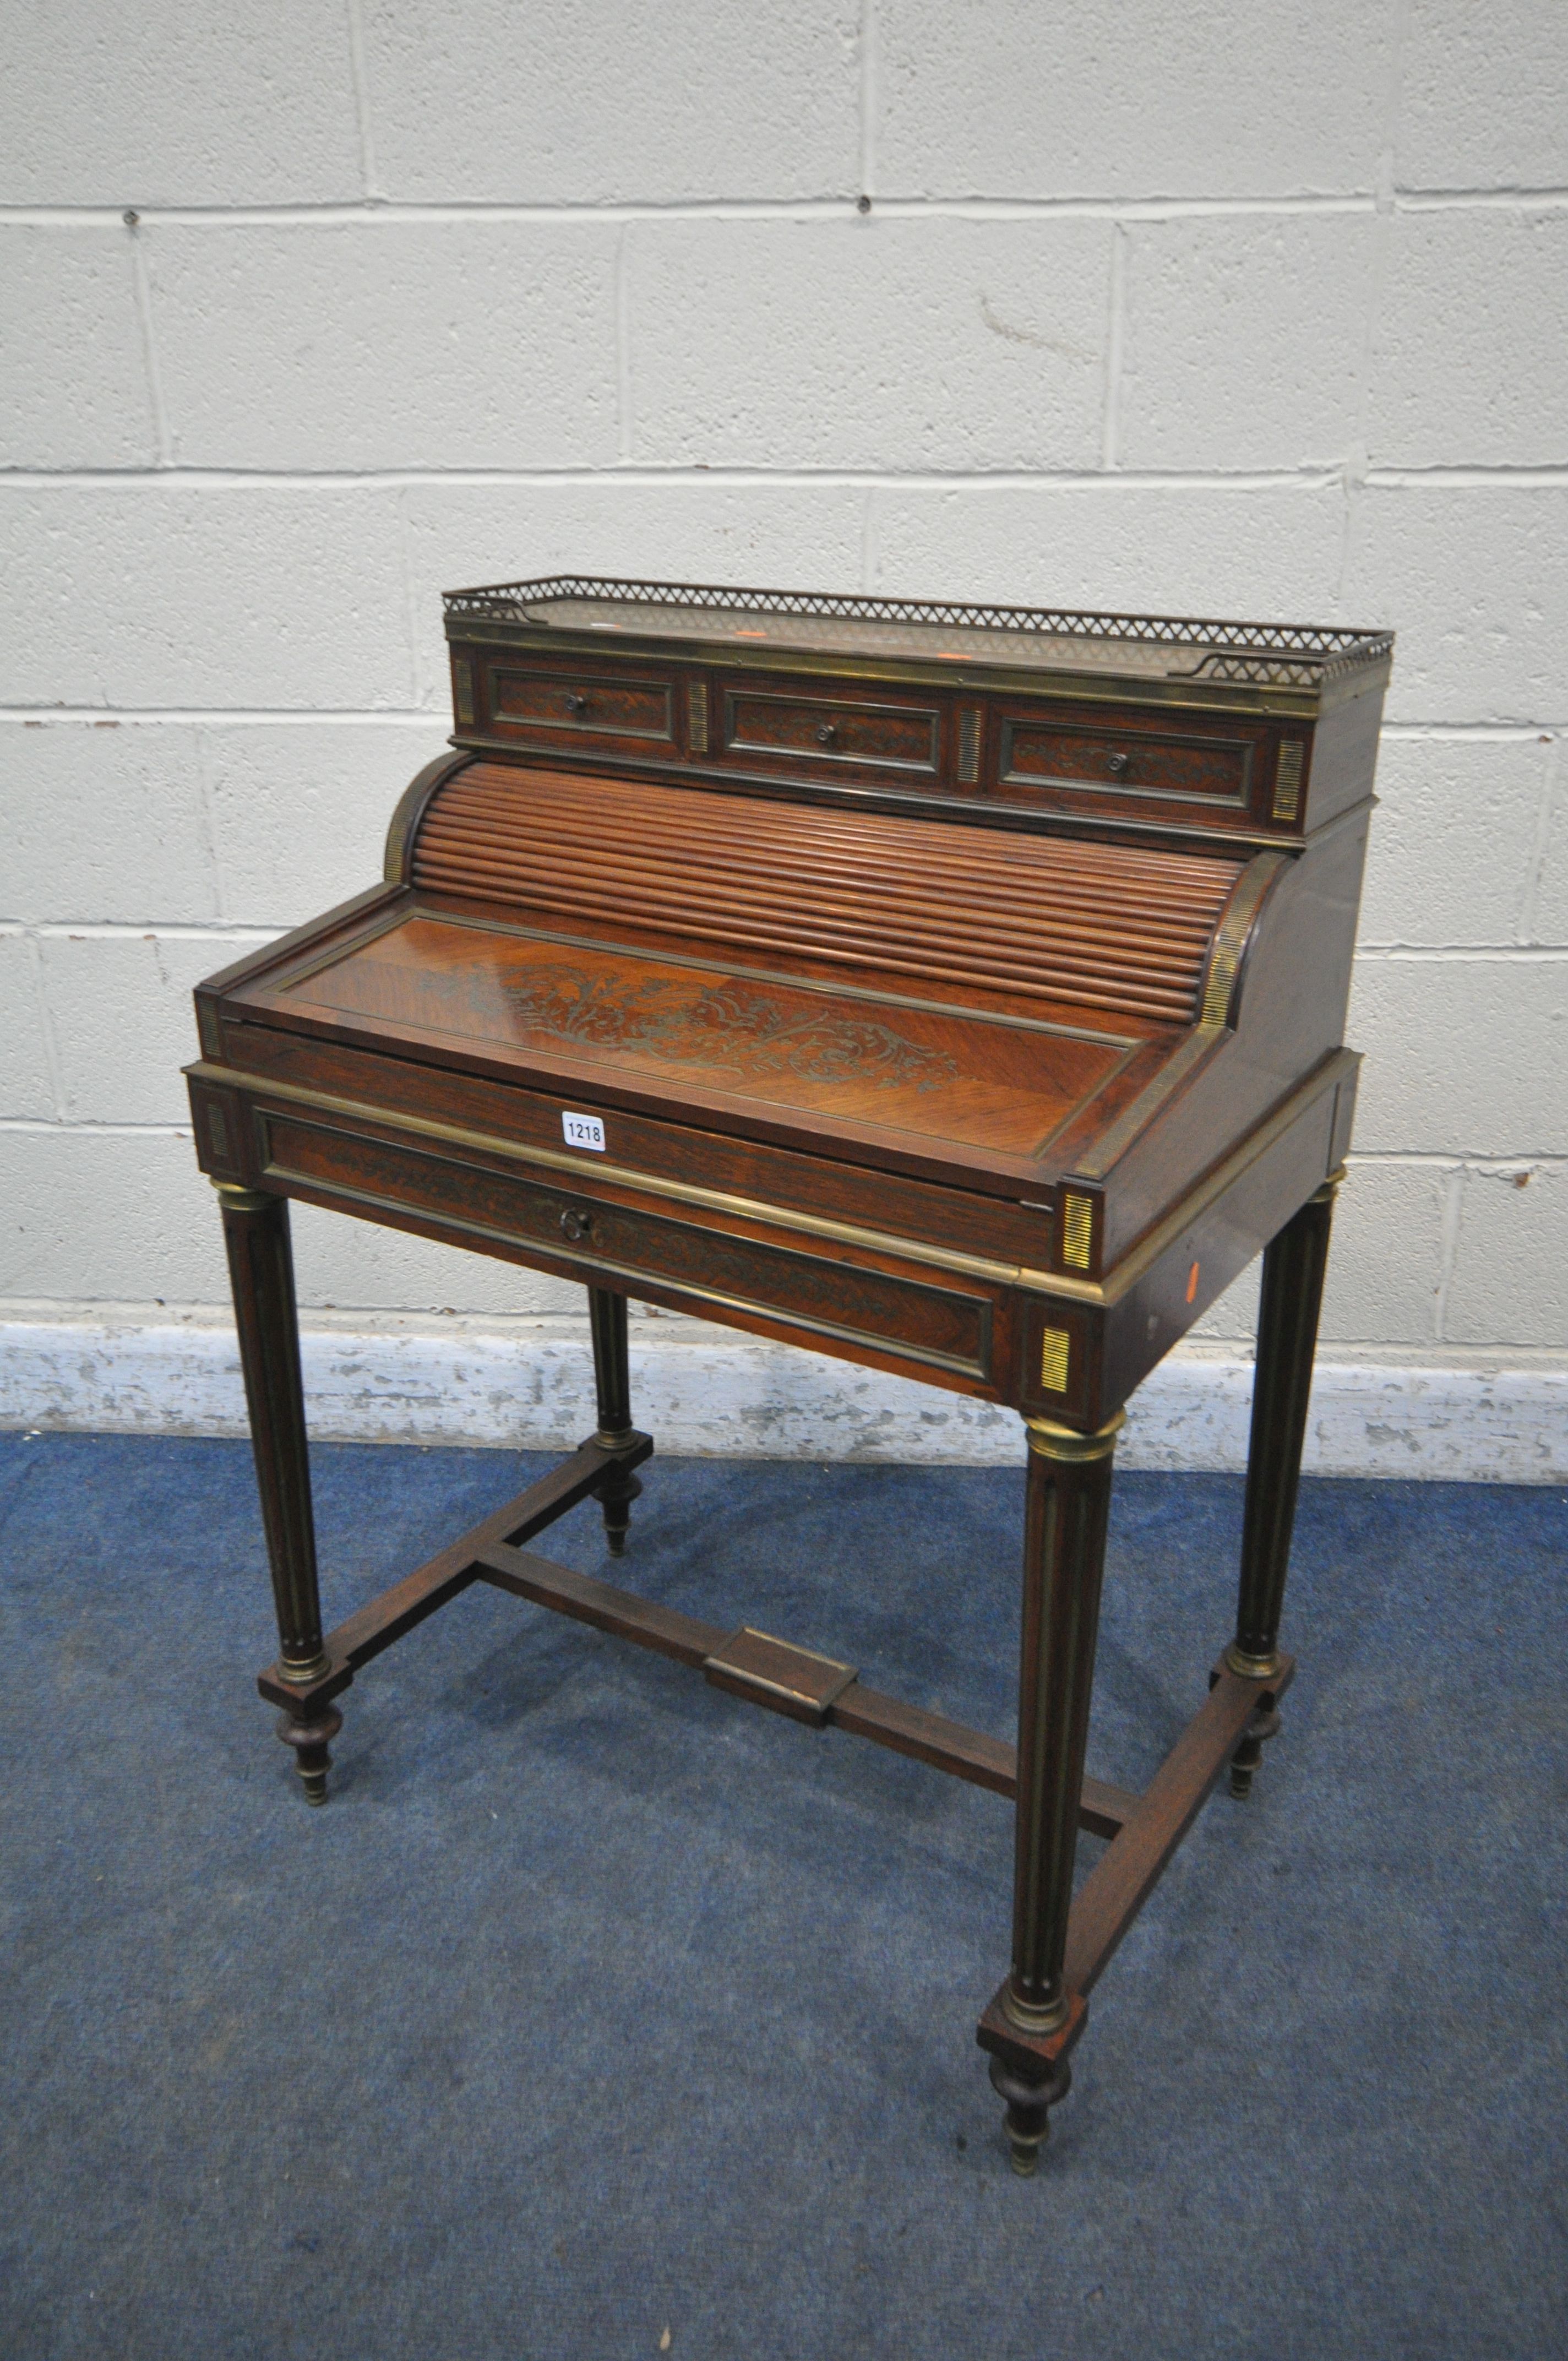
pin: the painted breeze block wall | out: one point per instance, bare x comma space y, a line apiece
310, 310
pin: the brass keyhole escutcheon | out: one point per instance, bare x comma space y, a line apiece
1119, 765
577, 1225
827, 734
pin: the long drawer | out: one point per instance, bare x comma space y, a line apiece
683, 1158
944, 1325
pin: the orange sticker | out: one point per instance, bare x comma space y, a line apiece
1193, 1284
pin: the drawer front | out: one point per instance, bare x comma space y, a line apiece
652, 1149
1138, 765
798, 730
947, 1327
568, 707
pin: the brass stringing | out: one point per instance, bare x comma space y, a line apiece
463, 688
1287, 780
969, 745
1224, 962
1056, 1345
696, 708
1077, 1230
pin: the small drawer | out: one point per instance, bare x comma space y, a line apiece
787, 729
571, 708
1111, 760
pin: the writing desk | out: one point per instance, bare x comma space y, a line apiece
956, 989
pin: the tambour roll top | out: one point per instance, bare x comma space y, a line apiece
1043, 917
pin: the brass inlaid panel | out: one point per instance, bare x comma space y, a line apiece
1287, 780
969, 745
1056, 1352
1077, 1230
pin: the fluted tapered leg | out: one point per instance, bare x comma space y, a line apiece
1067, 1511
261, 1273
1294, 1264
612, 1381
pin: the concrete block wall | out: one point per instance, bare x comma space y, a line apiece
309, 311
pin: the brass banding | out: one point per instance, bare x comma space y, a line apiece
236, 1200
1033, 2016
302, 1676
1252, 1668
1052, 1440
1036, 1281
1230, 937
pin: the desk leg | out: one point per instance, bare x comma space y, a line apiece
1294, 1263
613, 1380
1067, 1511
261, 1273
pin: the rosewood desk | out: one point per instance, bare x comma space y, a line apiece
957, 989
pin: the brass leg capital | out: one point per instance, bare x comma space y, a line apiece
235, 1199
1051, 1441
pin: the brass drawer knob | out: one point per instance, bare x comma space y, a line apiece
1119, 765
827, 734
574, 1224
577, 703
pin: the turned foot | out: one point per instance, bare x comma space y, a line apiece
310, 1742
1248, 1756
618, 1490
1028, 2102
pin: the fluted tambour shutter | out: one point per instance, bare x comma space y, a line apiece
1108, 926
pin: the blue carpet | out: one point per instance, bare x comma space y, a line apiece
600, 2014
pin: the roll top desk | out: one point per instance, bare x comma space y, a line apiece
959, 991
